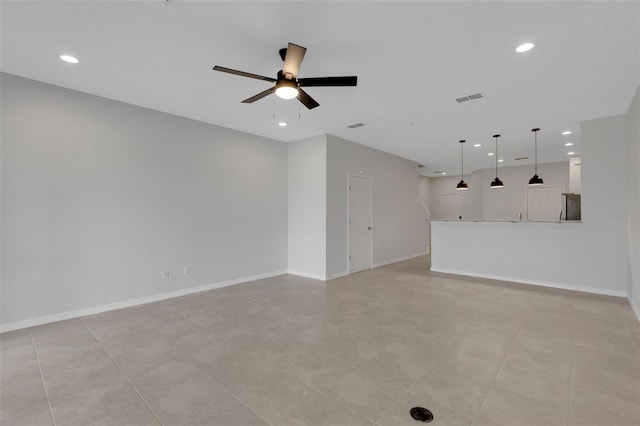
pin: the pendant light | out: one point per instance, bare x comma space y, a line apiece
536, 180
497, 183
462, 185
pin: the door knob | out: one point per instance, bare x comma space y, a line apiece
369, 228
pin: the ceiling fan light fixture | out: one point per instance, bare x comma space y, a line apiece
286, 89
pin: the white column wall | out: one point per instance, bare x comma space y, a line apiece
308, 207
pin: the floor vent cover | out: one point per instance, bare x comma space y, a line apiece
421, 414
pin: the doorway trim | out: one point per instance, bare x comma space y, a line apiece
358, 175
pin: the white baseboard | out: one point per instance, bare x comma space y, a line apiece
634, 306
337, 275
307, 275
603, 291
400, 259
131, 302
345, 273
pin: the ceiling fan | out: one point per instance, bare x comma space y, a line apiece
287, 83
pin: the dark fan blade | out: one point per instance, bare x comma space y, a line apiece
244, 74
328, 81
293, 60
259, 96
307, 100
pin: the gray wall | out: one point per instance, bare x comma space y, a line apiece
307, 206
99, 197
399, 225
633, 199
425, 191
507, 203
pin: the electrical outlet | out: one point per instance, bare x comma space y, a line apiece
165, 274
187, 270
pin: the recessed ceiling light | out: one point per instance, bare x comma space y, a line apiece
568, 144
501, 161
444, 173
525, 47
491, 153
282, 124
477, 145
70, 59
567, 132
570, 153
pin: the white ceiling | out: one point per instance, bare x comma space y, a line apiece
412, 60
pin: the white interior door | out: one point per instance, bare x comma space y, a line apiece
359, 223
449, 206
544, 203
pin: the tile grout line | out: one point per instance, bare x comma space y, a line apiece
506, 352
185, 357
240, 402
44, 385
122, 372
154, 334
569, 400
391, 406
283, 371
319, 391
626, 327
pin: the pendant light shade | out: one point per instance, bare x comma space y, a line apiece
462, 185
496, 183
536, 180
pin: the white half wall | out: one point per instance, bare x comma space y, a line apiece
399, 221
541, 253
307, 207
99, 197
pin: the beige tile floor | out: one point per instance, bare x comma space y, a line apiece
357, 350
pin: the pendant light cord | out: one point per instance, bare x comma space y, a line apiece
535, 137
462, 159
496, 136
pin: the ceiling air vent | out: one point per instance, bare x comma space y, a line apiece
355, 126
521, 158
469, 97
